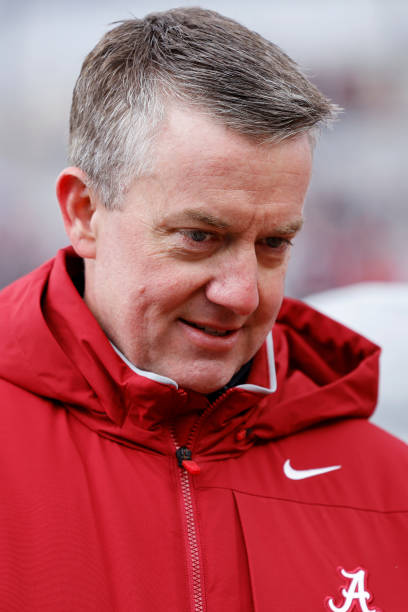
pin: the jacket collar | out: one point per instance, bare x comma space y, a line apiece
269, 385
324, 371
113, 395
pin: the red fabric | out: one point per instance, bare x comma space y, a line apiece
92, 512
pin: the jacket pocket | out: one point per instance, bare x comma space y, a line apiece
296, 552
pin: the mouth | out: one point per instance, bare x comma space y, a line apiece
211, 331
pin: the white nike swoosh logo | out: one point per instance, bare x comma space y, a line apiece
293, 474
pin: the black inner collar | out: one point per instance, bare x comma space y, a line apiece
239, 378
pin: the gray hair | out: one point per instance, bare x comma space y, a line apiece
192, 56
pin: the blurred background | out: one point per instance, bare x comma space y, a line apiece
356, 51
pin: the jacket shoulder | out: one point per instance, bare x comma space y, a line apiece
23, 287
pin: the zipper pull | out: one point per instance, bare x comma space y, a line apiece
183, 455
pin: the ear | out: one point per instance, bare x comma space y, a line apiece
78, 207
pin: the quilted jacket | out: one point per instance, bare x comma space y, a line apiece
123, 493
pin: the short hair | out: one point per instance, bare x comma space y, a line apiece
192, 56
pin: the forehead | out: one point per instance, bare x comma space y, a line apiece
200, 147
202, 165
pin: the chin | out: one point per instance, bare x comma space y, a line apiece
204, 386
202, 376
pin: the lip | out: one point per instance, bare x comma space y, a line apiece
215, 326
206, 341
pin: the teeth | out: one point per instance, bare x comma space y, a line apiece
213, 332
209, 330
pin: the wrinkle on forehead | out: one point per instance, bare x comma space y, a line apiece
189, 135
259, 167
227, 178
203, 165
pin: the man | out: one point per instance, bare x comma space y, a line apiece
162, 449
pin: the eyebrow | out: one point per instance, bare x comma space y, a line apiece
290, 228
200, 216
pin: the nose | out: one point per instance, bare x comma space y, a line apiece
235, 285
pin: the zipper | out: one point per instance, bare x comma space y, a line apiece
187, 469
184, 460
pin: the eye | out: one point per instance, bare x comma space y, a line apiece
195, 242
276, 243
196, 235
197, 238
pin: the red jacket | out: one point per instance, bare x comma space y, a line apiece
97, 515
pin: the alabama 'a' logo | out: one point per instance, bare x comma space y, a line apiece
354, 596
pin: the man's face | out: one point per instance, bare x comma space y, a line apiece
188, 277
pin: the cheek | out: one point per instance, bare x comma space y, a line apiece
160, 295
271, 296
272, 285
